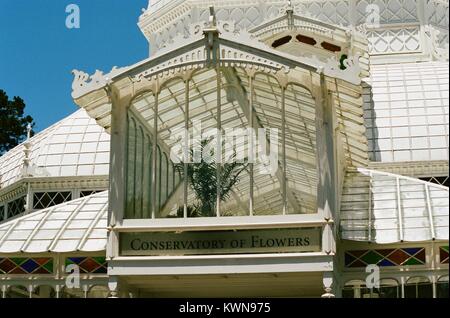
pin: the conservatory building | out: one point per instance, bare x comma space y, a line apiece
264, 149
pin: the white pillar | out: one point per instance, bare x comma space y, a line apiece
328, 285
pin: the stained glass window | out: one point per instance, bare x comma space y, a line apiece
91, 265
23, 265
443, 254
385, 257
42, 200
16, 207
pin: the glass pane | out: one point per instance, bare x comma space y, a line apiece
44, 292
131, 168
348, 292
72, 293
442, 289
16, 207
418, 287
389, 292
17, 292
98, 292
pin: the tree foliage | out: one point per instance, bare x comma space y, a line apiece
13, 122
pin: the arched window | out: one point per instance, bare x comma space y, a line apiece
355, 289
442, 287
44, 291
389, 288
418, 287
98, 291
17, 292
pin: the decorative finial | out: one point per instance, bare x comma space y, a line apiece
212, 17
28, 131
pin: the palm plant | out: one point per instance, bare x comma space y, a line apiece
202, 178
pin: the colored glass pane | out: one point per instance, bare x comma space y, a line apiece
18, 261
385, 252
372, 257
349, 259
42, 270
398, 257
101, 270
421, 256
385, 263
358, 263
443, 254
41, 261
75, 260
358, 253
17, 270
49, 266
411, 251
89, 265
100, 260
412, 261
29, 266
6, 266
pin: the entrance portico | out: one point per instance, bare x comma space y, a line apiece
226, 79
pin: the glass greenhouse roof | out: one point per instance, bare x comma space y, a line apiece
76, 226
387, 208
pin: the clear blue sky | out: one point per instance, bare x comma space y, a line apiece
38, 52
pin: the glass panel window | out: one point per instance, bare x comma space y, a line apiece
98, 292
67, 292
16, 207
442, 287
418, 287
222, 145
2, 213
86, 193
17, 292
445, 180
43, 200
389, 288
44, 292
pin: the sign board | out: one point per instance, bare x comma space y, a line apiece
220, 242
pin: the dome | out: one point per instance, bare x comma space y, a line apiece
75, 146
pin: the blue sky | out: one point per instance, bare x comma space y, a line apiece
38, 52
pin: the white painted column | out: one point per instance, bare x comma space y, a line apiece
154, 155
328, 285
